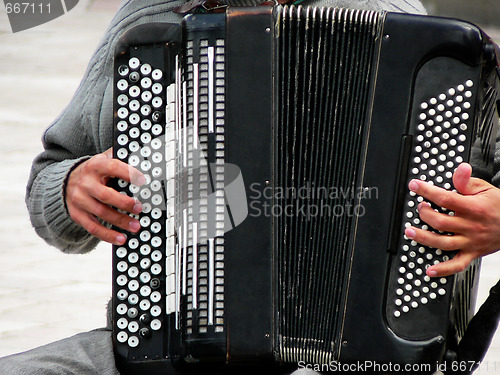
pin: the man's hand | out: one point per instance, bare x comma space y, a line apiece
88, 197
475, 224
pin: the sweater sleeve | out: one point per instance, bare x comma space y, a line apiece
83, 129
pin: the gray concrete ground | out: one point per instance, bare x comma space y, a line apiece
44, 294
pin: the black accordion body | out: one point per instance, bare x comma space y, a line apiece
277, 144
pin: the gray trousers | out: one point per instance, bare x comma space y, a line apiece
88, 353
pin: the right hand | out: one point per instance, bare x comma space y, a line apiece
475, 223
88, 197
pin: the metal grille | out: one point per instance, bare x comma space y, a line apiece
324, 71
489, 113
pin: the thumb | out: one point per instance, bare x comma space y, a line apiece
465, 184
455, 265
109, 153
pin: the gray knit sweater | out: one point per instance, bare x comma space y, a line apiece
84, 128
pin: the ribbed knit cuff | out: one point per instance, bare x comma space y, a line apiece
48, 212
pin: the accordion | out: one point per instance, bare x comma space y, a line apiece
277, 145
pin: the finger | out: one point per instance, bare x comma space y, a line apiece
109, 153
441, 197
113, 217
104, 167
119, 169
96, 229
111, 197
455, 265
438, 241
82, 204
465, 184
440, 221
462, 178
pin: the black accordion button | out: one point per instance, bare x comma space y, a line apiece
145, 319
145, 333
155, 283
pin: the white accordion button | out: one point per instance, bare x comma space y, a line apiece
146, 69
133, 299
133, 327
122, 337
155, 297
134, 62
122, 323
121, 309
156, 311
133, 341
155, 324
144, 305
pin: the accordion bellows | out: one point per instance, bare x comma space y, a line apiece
277, 144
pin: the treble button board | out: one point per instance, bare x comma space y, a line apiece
141, 120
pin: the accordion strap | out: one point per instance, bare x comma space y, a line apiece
200, 6
479, 333
216, 6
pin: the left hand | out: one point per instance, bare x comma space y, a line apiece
88, 197
475, 224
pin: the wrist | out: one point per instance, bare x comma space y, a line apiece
66, 179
